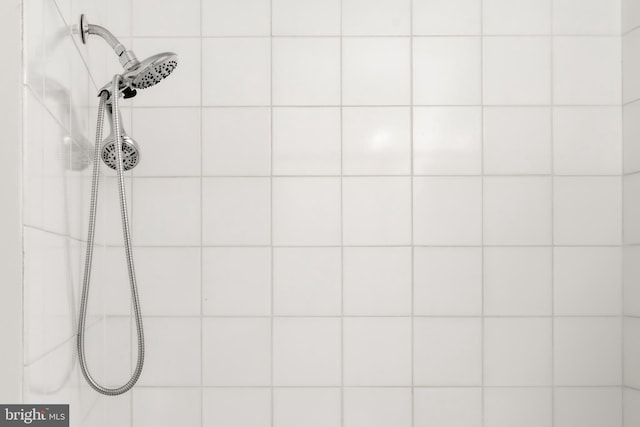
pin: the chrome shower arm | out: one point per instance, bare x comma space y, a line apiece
127, 58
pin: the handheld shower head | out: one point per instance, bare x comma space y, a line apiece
109, 148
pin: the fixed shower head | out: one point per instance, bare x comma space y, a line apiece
152, 70
109, 148
137, 75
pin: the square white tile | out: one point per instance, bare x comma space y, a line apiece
376, 141
376, 211
161, 203
446, 17
162, 128
175, 344
307, 281
587, 140
517, 211
447, 140
517, 71
377, 351
306, 17
447, 281
446, 70
376, 281
308, 407
509, 17
588, 407
242, 407
587, 281
236, 141
631, 137
306, 71
447, 352
236, 18
631, 208
631, 352
587, 211
146, 401
236, 71
306, 211
447, 211
377, 407
518, 281
168, 280
591, 17
236, 352
586, 71
588, 351
375, 71
631, 407
236, 281
182, 88
630, 66
518, 351
447, 407
631, 278
522, 407
376, 17
236, 211
165, 18
517, 140
307, 352
306, 141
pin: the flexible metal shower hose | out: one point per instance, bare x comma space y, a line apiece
127, 245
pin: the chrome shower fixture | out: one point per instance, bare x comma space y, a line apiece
108, 148
137, 75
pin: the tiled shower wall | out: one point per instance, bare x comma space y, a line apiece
380, 213
355, 213
631, 268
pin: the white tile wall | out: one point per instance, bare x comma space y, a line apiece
361, 224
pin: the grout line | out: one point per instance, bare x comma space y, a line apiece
385, 316
335, 387
531, 175
377, 36
342, 358
351, 246
272, 419
201, 230
622, 233
411, 213
482, 221
552, 204
372, 106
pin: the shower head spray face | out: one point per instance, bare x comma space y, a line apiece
109, 148
130, 152
152, 70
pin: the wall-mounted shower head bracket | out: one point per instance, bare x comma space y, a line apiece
127, 58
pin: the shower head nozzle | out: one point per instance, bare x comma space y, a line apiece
152, 70
130, 153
